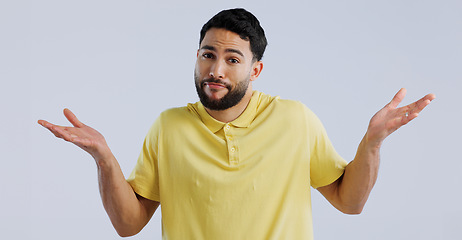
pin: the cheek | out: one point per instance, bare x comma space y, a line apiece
241, 73
201, 69
237, 71
198, 71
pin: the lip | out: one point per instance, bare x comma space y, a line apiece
214, 85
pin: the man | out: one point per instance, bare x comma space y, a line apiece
238, 164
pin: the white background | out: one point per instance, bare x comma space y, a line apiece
118, 64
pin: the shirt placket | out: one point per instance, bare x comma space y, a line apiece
233, 150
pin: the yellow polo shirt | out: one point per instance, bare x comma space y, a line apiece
247, 179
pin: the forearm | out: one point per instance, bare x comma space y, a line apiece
360, 176
119, 199
350, 192
127, 212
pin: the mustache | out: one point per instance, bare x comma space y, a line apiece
215, 80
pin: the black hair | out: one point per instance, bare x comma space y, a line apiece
243, 23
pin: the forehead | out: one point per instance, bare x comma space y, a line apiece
222, 39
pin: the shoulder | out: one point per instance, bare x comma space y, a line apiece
293, 108
269, 101
173, 113
284, 110
168, 118
297, 111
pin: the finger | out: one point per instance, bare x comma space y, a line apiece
72, 118
403, 115
42, 122
399, 96
430, 97
411, 111
50, 127
66, 134
420, 104
427, 99
400, 120
46, 124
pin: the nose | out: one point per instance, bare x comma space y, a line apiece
217, 70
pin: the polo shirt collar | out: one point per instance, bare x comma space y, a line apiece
243, 121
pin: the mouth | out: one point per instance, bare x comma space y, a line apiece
213, 85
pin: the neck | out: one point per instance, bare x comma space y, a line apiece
234, 112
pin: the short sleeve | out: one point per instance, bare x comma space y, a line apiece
144, 178
326, 165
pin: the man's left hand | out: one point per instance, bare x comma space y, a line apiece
390, 118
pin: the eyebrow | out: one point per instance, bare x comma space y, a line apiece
211, 48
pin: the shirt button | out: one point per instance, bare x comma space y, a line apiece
233, 149
230, 138
227, 127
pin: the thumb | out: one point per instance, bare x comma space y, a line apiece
72, 118
398, 98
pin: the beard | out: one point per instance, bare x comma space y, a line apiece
233, 97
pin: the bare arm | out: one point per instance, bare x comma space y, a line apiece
128, 212
350, 192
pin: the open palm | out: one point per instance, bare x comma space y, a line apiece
81, 135
390, 118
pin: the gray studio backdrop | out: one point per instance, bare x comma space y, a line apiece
118, 64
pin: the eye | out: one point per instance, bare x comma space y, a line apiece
233, 60
207, 55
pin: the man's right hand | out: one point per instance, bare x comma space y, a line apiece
128, 212
81, 135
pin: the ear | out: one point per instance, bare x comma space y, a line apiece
197, 55
257, 67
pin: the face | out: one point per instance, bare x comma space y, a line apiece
224, 69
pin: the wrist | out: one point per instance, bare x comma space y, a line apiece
371, 143
104, 159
